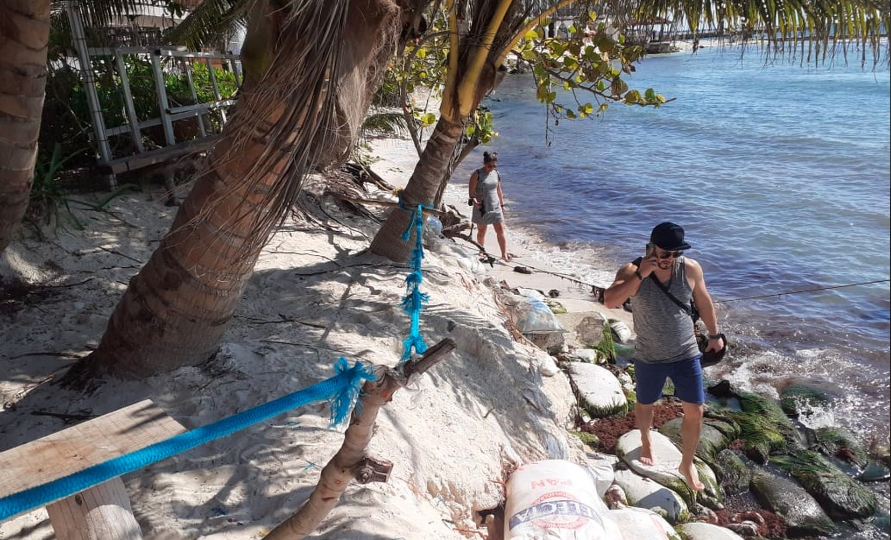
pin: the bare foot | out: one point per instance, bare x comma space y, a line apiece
507, 258
646, 455
691, 476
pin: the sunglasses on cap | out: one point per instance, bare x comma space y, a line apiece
667, 254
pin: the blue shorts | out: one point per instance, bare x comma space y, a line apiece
685, 374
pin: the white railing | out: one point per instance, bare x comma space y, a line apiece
164, 61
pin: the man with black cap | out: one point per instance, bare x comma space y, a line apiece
666, 345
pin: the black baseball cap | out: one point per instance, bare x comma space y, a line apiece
669, 237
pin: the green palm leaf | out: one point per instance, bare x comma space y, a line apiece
212, 22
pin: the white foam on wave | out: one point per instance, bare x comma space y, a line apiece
858, 408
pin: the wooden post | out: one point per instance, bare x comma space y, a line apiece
350, 461
100, 513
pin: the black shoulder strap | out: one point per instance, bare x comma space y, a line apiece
663, 288
680, 304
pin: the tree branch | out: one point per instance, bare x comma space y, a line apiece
537, 21
350, 461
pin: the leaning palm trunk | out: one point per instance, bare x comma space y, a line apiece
176, 309
472, 73
422, 188
24, 35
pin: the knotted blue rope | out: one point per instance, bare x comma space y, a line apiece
340, 391
414, 300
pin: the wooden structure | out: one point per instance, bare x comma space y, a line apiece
163, 60
655, 35
103, 511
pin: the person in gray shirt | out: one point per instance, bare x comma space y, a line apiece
666, 345
488, 202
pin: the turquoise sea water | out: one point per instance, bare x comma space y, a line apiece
779, 173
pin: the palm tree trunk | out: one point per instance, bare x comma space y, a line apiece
465, 151
422, 188
24, 35
177, 308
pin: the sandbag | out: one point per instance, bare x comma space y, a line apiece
534, 316
556, 500
531, 316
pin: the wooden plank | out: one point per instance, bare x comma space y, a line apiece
153, 157
84, 445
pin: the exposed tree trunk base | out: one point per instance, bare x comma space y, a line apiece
82, 376
456, 230
350, 462
422, 188
395, 250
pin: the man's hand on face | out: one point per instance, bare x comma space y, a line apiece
648, 265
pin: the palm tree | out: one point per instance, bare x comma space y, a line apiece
473, 63
24, 36
311, 67
816, 30
310, 71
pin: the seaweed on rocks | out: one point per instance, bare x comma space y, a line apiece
765, 428
842, 444
841, 496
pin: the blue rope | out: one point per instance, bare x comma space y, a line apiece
414, 300
339, 390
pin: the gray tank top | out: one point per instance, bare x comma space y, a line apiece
487, 189
487, 193
664, 331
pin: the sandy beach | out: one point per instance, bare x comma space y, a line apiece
316, 296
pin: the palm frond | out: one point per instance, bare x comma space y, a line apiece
813, 31
104, 12
384, 123
210, 23
292, 109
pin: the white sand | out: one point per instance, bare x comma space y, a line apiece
450, 438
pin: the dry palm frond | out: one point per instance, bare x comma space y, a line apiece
103, 12
384, 123
292, 113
